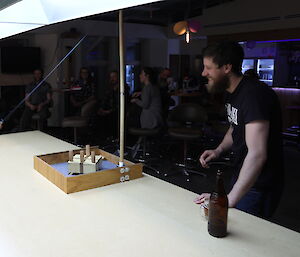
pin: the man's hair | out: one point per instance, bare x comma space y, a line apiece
226, 52
114, 71
84, 68
40, 70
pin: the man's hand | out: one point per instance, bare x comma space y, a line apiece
133, 100
207, 156
136, 94
33, 107
102, 112
202, 198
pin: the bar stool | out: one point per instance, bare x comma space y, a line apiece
186, 122
295, 130
38, 121
143, 135
81, 121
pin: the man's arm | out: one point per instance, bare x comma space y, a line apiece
224, 146
209, 155
28, 104
226, 142
145, 99
46, 102
256, 136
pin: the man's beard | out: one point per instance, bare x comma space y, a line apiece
219, 86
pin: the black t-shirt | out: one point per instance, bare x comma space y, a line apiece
87, 90
251, 101
40, 94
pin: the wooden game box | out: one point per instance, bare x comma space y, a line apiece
71, 184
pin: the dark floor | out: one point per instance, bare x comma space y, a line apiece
288, 212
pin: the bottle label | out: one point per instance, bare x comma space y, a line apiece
217, 219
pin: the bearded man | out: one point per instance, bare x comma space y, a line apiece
254, 135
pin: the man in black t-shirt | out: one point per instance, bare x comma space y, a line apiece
86, 91
37, 101
254, 135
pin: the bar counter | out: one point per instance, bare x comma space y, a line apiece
143, 217
288, 97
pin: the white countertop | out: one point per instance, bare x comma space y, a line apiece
143, 217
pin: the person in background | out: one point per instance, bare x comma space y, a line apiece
165, 79
254, 135
36, 102
150, 100
165, 84
108, 111
188, 81
251, 73
86, 91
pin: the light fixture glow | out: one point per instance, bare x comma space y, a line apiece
187, 36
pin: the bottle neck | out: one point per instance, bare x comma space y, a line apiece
219, 189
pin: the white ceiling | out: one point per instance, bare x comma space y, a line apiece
26, 15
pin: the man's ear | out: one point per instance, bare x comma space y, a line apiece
227, 68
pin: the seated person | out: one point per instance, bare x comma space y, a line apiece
150, 102
108, 111
37, 101
86, 92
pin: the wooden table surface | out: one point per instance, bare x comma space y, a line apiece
143, 217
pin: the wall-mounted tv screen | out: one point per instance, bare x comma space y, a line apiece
20, 59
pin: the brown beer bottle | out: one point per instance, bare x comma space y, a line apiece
218, 209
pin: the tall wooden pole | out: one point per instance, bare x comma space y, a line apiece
122, 91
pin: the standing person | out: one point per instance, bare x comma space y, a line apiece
38, 101
254, 135
86, 92
150, 102
165, 79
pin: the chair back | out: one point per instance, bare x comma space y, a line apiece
188, 113
89, 108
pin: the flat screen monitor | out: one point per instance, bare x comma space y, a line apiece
20, 59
